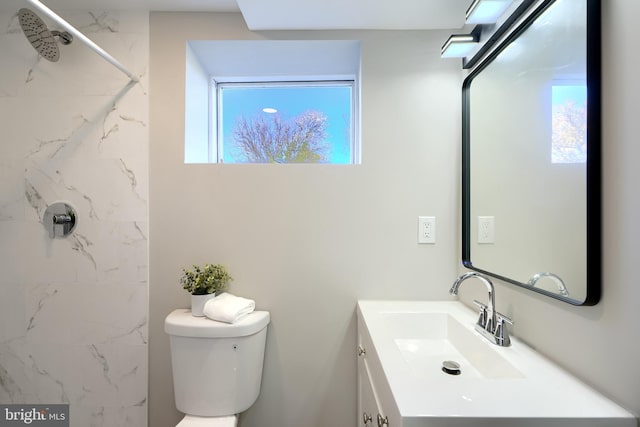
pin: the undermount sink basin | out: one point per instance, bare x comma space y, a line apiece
496, 386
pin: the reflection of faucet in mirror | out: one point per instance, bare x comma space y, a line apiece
491, 324
562, 289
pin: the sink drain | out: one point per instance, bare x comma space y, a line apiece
450, 367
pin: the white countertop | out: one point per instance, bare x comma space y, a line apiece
497, 382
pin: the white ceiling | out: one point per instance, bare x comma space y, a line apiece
162, 5
296, 14
356, 14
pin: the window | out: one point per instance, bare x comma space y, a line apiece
285, 122
272, 101
569, 123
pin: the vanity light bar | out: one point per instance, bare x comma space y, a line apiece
486, 11
459, 45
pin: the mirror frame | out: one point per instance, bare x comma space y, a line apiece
594, 151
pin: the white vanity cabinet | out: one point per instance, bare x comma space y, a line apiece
376, 407
368, 408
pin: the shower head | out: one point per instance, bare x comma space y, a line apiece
42, 40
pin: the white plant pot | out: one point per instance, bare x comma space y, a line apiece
198, 302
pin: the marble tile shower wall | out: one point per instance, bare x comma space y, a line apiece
73, 311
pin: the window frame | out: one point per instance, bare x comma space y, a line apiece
260, 60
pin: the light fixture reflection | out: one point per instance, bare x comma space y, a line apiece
269, 110
459, 45
486, 11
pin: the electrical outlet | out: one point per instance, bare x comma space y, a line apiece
486, 229
427, 229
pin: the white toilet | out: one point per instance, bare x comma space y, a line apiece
217, 367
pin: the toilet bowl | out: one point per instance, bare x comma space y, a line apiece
217, 367
192, 421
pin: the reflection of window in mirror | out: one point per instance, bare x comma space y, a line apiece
569, 123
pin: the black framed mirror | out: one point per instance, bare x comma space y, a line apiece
532, 153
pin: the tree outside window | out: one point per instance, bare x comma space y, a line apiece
286, 122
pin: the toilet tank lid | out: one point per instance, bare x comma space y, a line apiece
181, 323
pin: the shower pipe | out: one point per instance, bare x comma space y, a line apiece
80, 36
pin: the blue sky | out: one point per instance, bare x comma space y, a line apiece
333, 101
560, 94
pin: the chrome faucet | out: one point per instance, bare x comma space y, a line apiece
491, 324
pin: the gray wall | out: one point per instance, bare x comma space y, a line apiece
306, 241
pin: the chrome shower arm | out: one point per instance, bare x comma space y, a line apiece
80, 36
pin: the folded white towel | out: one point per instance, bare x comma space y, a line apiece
228, 308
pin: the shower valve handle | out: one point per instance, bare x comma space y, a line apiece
59, 219
62, 219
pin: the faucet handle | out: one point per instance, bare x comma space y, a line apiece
501, 333
482, 315
502, 318
479, 304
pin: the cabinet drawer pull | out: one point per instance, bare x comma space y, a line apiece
382, 421
361, 351
366, 419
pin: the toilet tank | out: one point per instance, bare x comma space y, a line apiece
217, 367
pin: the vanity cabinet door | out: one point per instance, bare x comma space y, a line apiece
367, 405
371, 410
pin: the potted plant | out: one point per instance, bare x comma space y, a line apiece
203, 283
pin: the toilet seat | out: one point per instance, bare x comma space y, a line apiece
193, 421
